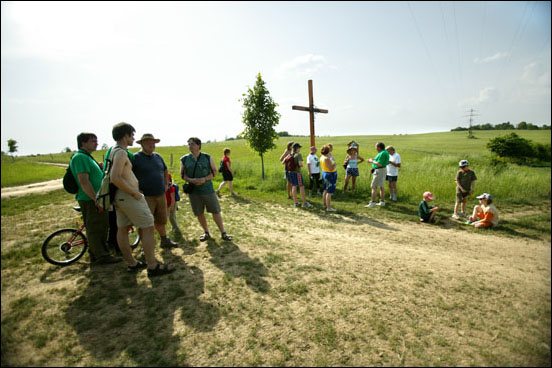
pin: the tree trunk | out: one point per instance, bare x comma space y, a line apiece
262, 165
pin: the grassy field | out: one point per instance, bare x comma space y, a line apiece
300, 287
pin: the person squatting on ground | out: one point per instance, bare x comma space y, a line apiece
329, 176
153, 180
379, 169
172, 206
485, 214
227, 172
465, 185
313, 167
131, 206
198, 169
426, 212
351, 166
286, 153
88, 174
296, 178
393, 172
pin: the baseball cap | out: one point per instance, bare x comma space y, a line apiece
296, 145
428, 195
463, 163
485, 196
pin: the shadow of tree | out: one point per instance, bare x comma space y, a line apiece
229, 258
117, 316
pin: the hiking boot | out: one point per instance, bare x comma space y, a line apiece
296, 204
307, 205
160, 269
371, 205
462, 214
168, 243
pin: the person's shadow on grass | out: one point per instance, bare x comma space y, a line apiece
229, 258
121, 316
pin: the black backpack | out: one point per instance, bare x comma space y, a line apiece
69, 183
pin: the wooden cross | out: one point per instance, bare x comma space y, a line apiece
311, 109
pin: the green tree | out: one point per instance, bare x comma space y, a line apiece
12, 144
260, 117
511, 145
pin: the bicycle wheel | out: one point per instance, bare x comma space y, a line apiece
133, 237
64, 247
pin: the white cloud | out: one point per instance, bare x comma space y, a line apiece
535, 73
486, 95
305, 65
489, 59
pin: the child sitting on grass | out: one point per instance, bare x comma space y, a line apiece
426, 212
484, 215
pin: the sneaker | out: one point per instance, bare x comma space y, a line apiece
382, 203
168, 243
331, 209
307, 205
462, 214
371, 205
296, 204
455, 216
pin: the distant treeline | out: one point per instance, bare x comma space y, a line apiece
505, 126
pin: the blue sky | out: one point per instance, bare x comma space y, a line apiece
179, 69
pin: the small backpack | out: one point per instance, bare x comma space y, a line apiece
222, 166
69, 182
106, 195
176, 192
289, 163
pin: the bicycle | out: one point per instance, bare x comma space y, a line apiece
66, 246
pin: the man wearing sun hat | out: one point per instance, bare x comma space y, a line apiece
153, 180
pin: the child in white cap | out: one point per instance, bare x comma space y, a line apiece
425, 211
484, 215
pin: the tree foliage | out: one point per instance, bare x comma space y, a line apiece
519, 149
12, 144
260, 117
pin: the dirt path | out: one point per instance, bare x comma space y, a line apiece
35, 188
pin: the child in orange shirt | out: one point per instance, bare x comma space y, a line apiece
484, 215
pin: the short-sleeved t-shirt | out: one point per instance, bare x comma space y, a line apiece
465, 178
314, 164
225, 161
297, 158
150, 172
392, 170
203, 169
423, 210
382, 158
168, 194
82, 162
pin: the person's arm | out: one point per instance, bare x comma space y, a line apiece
229, 167
284, 155
309, 166
360, 159
329, 164
86, 185
173, 199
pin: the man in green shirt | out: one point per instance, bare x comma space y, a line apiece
88, 174
379, 169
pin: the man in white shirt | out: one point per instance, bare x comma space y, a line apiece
393, 172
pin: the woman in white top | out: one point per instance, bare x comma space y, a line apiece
393, 172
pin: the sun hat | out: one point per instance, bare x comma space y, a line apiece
428, 195
463, 163
148, 136
485, 196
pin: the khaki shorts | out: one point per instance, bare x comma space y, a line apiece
201, 201
378, 179
158, 207
131, 211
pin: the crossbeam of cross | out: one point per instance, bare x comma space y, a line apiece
311, 109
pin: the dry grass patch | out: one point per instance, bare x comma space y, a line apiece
295, 288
